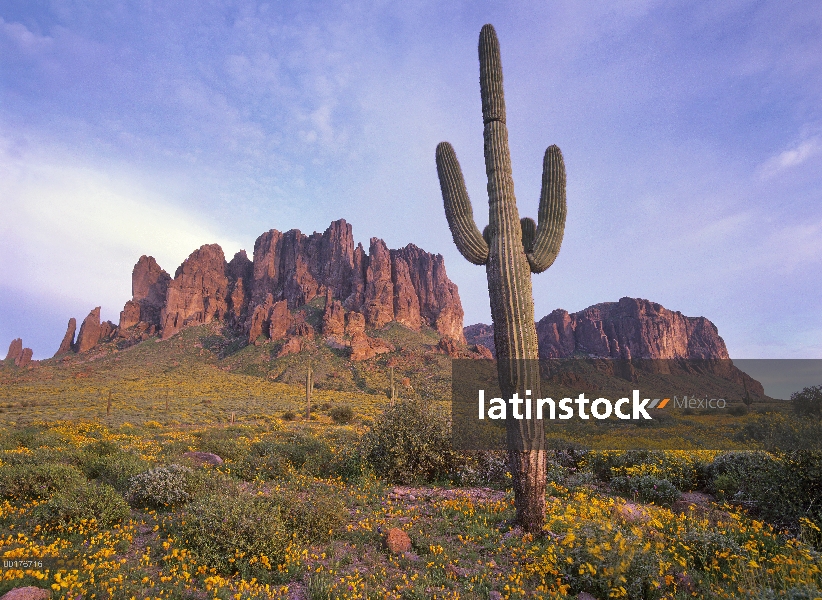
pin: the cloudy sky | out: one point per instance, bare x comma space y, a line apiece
692, 135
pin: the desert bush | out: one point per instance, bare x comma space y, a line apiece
738, 476
30, 482
410, 442
488, 468
235, 533
306, 452
782, 489
289, 415
808, 402
685, 470
646, 489
80, 501
342, 414
161, 487
116, 468
312, 512
225, 443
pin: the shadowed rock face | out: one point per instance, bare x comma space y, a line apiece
630, 328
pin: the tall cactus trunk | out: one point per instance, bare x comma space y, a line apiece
510, 249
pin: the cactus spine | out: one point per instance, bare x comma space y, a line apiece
511, 249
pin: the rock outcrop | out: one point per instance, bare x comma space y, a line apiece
198, 293
408, 286
258, 298
24, 360
630, 328
482, 335
67, 345
90, 332
15, 350
18, 355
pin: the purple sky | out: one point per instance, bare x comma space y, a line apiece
692, 135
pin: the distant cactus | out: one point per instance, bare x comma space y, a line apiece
510, 249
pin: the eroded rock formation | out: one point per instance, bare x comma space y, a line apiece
630, 328
198, 293
259, 297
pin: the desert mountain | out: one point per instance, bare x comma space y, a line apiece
261, 297
630, 328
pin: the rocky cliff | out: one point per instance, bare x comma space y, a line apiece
260, 297
630, 328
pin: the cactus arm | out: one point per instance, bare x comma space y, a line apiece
552, 211
458, 211
529, 230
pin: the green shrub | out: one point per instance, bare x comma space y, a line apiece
342, 414
232, 532
27, 482
289, 415
312, 513
225, 443
410, 442
84, 500
685, 471
647, 489
781, 489
116, 469
161, 487
303, 452
808, 401
267, 467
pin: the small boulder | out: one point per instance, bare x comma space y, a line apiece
204, 458
397, 541
449, 347
293, 346
484, 352
26, 593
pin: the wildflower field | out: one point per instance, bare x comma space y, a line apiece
101, 498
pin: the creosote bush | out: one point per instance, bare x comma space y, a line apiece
236, 533
410, 442
116, 468
85, 500
342, 414
312, 512
647, 489
37, 482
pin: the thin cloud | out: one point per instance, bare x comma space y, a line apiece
74, 231
791, 158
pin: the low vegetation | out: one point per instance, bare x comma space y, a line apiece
300, 507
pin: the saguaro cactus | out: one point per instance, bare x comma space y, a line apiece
511, 249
